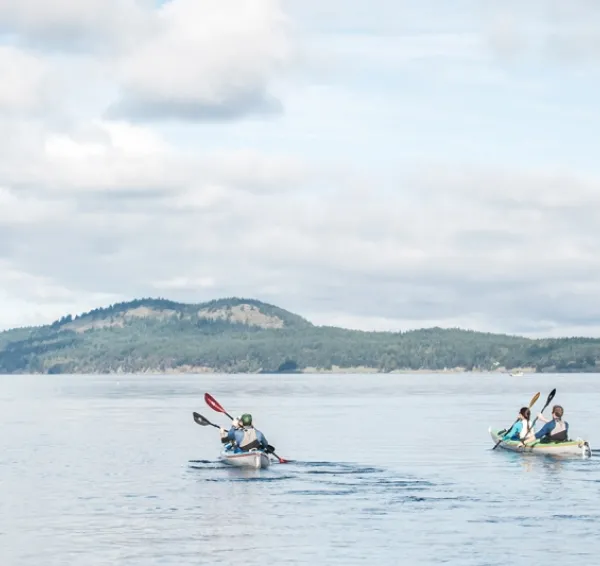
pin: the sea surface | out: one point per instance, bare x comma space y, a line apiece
387, 469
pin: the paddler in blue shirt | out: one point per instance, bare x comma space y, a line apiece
244, 435
555, 430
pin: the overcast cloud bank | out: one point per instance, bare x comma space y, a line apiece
390, 167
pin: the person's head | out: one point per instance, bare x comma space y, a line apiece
246, 419
525, 413
557, 412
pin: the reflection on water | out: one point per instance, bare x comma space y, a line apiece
547, 464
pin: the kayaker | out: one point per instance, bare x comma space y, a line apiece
246, 437
522, 428
555, 429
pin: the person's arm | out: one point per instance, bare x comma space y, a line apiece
546, 429
225, 438
261, 438
227, 434
543, 418
513, 432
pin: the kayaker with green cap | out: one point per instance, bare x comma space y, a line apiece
245, 437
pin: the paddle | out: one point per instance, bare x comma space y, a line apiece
548, 401
203, 421
216, 406
531, 404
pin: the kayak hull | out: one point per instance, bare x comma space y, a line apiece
255, 459
574, 448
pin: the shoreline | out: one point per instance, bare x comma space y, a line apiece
335, 370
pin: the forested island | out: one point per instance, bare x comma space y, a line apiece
248, 336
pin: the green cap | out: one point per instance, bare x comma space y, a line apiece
247, 419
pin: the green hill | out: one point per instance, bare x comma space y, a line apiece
246, 335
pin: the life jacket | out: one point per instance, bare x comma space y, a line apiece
526, 427
250, 439
559, 432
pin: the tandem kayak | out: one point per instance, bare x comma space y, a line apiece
254, 459
578, 448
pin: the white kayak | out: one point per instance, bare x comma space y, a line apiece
573, 448
254, 459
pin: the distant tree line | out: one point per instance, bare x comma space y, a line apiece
185, 339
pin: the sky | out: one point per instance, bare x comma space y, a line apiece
379, 165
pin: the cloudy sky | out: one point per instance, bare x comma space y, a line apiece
379, 164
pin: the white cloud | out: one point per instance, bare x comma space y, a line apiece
69, 24
186, 60
185, 283
110, 156
28, 209
103, 158
25, 79
349, 247
259, 172
206, 60
30, 300
453, 247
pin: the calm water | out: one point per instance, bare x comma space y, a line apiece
387, 469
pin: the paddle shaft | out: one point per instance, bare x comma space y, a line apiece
531, 404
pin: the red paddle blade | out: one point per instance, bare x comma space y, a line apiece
213, 403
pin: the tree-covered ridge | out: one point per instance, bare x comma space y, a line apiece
246, 335
235, 310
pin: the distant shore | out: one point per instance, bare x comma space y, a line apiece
197, 370
349, 370
310, 371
